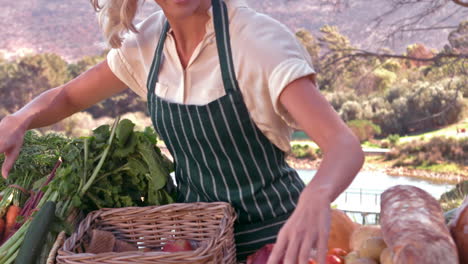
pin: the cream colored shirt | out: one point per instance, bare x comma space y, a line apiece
267, 57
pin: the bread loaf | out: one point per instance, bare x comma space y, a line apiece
414, 228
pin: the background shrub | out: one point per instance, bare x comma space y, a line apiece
303, 151
364, 129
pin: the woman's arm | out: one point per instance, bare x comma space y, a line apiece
94, 85
343, 156
308, 227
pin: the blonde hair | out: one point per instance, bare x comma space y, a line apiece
116, 18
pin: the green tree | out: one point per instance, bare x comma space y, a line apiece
85, 64
364, 129
311, 44
29, 76
122, 103
351, 110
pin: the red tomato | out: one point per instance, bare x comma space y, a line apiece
332, 259
337, 252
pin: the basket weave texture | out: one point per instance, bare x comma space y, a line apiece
150, 227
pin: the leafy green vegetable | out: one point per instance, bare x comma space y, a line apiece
132, 172
115, 167
35, 161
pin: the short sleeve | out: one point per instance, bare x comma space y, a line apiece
280, 57
132, 61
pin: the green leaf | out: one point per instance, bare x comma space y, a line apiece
60, 225
167, 197
157, 171
20, 219
127, 149
76, 201
123, 131
137, 166
37, 184
151, 134
102, 133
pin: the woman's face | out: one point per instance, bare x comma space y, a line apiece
180, 9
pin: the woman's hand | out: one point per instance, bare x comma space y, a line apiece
12, 132
306, 229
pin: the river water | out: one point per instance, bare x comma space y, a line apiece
363, 195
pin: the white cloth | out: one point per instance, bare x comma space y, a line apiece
267, 57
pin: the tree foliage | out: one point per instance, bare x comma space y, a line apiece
27, 77
404, 109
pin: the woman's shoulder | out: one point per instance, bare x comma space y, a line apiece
250, 23
259, 36
263, 33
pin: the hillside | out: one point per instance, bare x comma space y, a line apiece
69, 27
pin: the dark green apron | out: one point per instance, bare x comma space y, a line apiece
220, 154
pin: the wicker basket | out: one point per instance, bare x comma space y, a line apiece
53, 252
150, 227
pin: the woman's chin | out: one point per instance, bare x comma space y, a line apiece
181, 9
181, 2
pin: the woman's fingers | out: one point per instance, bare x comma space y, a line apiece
323, 232
11, 139
277, 254
305, 248
10, 157
307, 228
292, 249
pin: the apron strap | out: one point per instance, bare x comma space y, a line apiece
223, 42
156, 64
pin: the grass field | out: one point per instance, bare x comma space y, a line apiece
448, 131
300, 137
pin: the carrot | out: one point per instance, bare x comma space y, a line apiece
10, 219
2, 228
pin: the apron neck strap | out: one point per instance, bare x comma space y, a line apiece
153, 76
223, 43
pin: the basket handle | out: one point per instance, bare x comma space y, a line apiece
81, 231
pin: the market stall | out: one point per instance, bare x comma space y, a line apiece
108, 198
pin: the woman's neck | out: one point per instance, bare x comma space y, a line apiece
189, 31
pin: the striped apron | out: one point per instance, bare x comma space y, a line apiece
221, 155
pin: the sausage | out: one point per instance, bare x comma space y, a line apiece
459, 229
414, 228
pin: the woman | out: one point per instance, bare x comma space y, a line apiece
222, 83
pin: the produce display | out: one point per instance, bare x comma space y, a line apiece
56, 178
412, 231
56, 181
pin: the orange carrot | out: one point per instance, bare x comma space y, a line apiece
2, 228
10, 219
